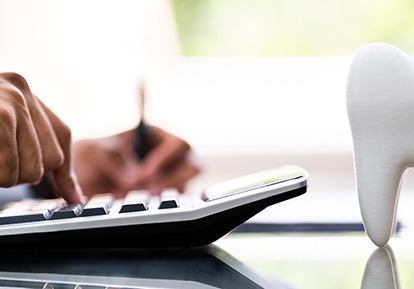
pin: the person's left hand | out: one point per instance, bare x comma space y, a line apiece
109, 164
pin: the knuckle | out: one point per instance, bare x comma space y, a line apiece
12, 98
65, 132
32, 174
8, 182
17, 80
37, 174
181, 144
186, 146
9, 178
16, 89
194, 170
53, 160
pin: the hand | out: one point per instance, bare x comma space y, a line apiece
33, 141
109, 164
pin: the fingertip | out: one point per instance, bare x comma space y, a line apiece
154, 188
69, 189
78, 196
84, 199
75, 197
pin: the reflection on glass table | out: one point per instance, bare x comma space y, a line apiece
327, 260
204, 267
277, 262
381, 270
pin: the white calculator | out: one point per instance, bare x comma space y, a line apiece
142, 220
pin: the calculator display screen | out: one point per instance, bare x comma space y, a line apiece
252, 181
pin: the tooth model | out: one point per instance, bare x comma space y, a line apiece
380, 103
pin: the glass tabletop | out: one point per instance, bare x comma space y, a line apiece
238, 260
317, 261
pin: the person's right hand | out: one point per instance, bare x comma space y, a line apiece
110, 165
33, 141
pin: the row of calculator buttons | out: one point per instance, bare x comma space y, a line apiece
53, 209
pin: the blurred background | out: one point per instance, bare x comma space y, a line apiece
250, 84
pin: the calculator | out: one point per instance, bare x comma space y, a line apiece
141, 220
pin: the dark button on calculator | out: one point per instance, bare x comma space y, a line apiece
70, 211
29, 211
98, 205
135, 201
21, 217
169, 199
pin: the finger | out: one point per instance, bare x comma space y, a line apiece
29, 149
116, 169
177, 176
166, 152
9, 157
64, 177
20, 148
52, 153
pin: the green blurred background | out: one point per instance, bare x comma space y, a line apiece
291, 27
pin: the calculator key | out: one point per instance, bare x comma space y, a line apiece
169, 199
137, 207
69, 211
94, 210
135, 201
98, 205
14, 217
107, 199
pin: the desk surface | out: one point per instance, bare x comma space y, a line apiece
281, 261
318, 261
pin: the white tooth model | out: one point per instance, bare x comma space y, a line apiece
380, 103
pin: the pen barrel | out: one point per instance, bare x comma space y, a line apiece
141, 140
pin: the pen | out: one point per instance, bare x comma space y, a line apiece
141, 131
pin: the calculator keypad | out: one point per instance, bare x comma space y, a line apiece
99, 205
